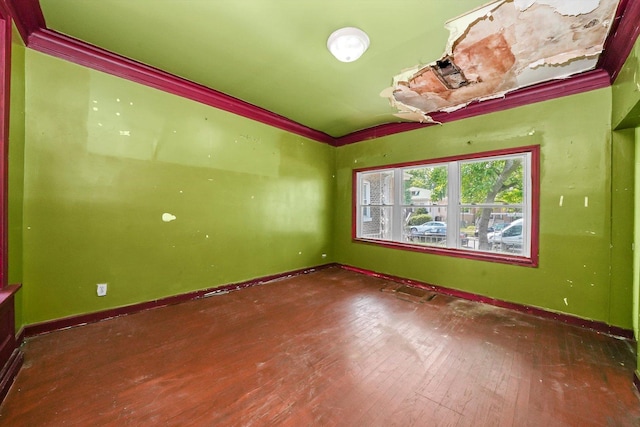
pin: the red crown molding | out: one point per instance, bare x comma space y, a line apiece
622, 37
378, 132
27, 16
31, 24
55, 44
596, 79
32, 28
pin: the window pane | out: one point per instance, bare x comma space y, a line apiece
378, 189
432, 236
510, 240
489, 224
425, 186
467, 228
378, 226
365, 195
456, 204
492, 181
426, 225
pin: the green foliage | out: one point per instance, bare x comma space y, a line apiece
438, 183
430, 178
486, 182
482, 182
419, 219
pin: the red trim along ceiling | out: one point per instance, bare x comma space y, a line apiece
30, 23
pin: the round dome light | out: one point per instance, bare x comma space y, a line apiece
348, 44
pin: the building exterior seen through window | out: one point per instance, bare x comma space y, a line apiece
480, 205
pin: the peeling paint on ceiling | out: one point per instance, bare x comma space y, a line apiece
503, 46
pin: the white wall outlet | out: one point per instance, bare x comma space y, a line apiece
101, 289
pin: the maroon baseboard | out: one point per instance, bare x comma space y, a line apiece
597, 326
20, 336
83, 319
79, 320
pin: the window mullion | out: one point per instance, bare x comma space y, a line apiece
398, 220
453, 208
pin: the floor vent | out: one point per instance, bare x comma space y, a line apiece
409, 293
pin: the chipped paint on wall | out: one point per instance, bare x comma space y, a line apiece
503, 46
167, 217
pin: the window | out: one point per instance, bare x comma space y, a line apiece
481, 206
366, 201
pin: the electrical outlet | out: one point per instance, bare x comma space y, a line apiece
101, 289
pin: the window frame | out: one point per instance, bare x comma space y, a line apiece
534, 188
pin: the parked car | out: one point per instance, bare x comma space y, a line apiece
497, 228
509, 239
420, 229
493, 228
437, 234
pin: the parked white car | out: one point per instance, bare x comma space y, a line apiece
509, 239
420, 229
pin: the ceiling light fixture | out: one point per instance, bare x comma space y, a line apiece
348, 44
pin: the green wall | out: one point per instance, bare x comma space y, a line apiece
16, 169
622, 216
575, 269
626, 92
626, 118
106, 158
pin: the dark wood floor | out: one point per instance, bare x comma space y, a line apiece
326, 348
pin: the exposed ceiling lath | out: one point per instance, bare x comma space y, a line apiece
503, 46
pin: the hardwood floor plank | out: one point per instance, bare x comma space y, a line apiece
328, 349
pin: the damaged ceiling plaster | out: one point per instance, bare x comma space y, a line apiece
503, 46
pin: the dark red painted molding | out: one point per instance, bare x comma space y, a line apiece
9, 292
535, 149
5, 101
4, 10
27, 16
11, 356
600, 327
596, 79
20, 336
623, 35
72, 50
32, 27
9, 372
378, 132
83, 319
